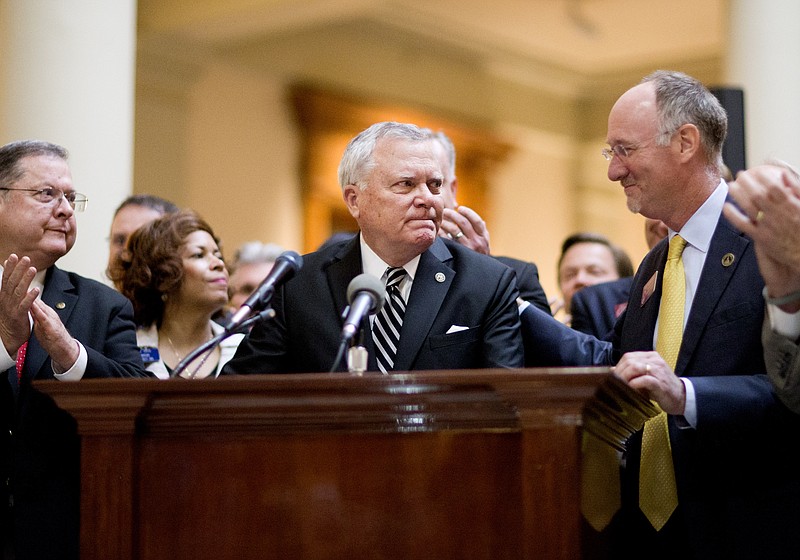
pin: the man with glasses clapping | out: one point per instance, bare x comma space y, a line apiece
53, 325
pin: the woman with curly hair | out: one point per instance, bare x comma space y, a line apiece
173, 272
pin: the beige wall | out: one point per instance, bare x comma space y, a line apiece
222, 142
243, 159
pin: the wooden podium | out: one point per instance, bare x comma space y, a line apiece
429, 465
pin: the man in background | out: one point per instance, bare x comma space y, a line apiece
134, 212
465, 226
251, 264
587, 259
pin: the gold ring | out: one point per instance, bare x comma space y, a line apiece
459, 234
647, 368
759, 216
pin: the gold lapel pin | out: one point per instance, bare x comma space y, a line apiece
728, 259
439, 277
61, 305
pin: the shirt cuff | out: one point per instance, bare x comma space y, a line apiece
689, 419
6, 361
78, 368
783, 323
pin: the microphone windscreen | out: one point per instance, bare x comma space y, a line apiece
367, 283
292, 258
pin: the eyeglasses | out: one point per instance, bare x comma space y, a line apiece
623, 152
619, 150
51, 195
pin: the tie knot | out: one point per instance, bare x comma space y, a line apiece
394, 275
676, 246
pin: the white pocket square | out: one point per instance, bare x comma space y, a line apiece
455, 329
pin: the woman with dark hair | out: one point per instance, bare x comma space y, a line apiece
173, 272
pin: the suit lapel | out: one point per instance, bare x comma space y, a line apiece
345, 266
430, 287
59, 294
717, 273
642, 311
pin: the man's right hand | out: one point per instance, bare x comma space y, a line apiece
16, 298
769, 212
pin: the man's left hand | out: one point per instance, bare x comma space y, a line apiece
53, 336
648, 373
467, 227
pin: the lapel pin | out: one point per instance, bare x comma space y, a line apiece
728, 259
61, 305
439, 277
649, 288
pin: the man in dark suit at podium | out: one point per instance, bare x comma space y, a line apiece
454, 308
53, 325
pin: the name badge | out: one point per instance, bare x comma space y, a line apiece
149, 354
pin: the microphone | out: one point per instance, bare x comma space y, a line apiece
286, 265
365, 294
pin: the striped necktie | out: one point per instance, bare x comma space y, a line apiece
389, 321
658, 495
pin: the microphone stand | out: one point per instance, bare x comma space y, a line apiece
353, 348
209, 345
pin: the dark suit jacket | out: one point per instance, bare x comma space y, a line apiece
42, 457
453, 286
595, 309
530, 289
734, 468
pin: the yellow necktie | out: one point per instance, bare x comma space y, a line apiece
658, 495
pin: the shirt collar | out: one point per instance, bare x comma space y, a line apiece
699, 229
374, 265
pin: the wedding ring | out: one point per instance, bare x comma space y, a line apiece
759, 216
459, 234
647, 368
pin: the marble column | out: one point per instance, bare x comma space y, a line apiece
764, 47
67, 76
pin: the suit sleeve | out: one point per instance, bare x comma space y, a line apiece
782, 358
580, 314
550, 343
530, 289
116, 353
265, 349
502, 339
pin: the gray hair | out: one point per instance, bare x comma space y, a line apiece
357, 162
12, 153
449, 149
681, 99
255, 252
